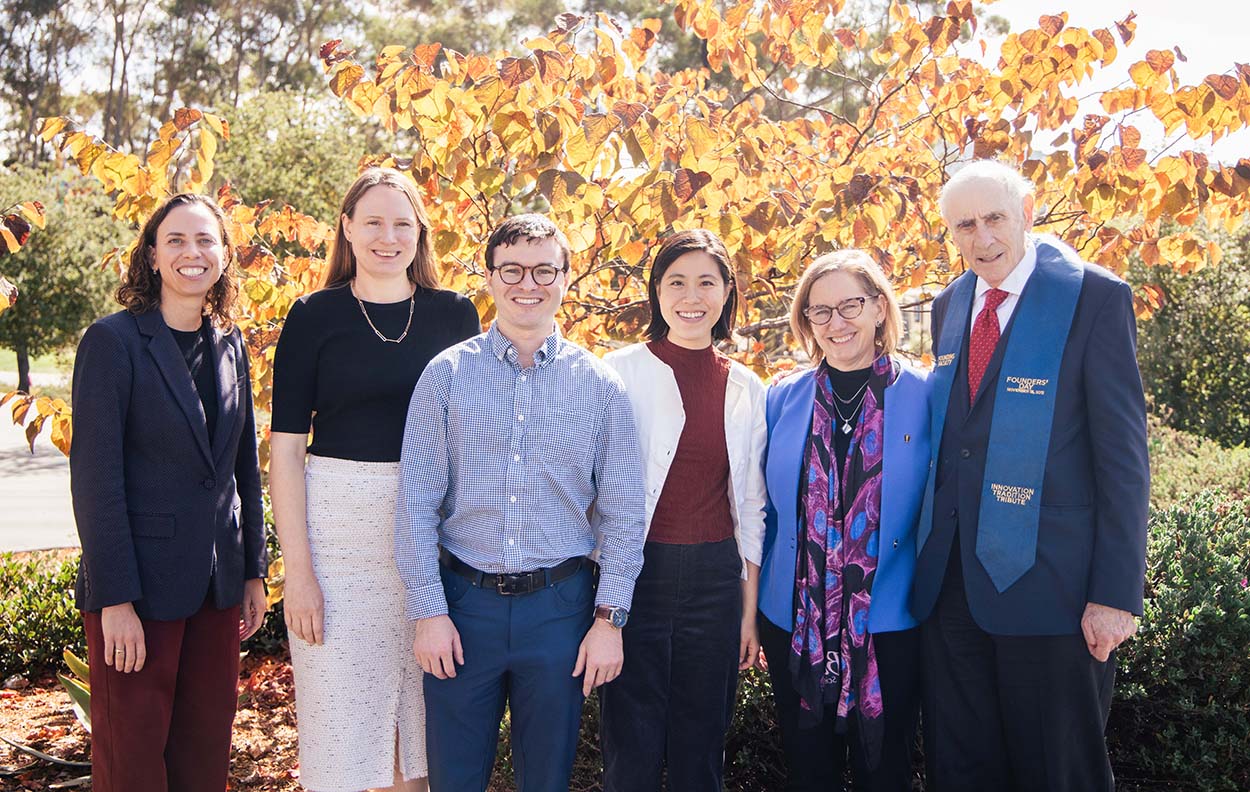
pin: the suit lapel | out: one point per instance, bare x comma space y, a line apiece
227, 389
173, 369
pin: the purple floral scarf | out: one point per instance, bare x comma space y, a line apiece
832, 659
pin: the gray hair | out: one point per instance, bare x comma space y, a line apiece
1016, 185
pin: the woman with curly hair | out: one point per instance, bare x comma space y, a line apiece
166, 492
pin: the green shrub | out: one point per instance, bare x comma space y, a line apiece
1183, 464
1194, 352
38, 619
1182, 710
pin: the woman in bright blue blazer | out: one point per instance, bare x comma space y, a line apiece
847, 460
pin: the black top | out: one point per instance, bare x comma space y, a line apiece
197, 351
331, 372
846, 387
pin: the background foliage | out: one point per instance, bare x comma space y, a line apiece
1194, 351
65, 290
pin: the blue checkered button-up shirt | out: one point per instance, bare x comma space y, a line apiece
503, 466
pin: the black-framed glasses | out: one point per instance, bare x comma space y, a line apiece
543, 274
847, 309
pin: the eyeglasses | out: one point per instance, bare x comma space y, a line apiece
543, 274
847, 309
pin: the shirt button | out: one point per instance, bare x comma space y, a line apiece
513, 499
524, 378
520, 417
511, 541
516, 457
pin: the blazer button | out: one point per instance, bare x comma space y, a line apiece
209, 483
895, 543
954, 513
964, 453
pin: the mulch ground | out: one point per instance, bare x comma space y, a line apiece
263, 756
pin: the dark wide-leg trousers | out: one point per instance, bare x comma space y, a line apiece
167, 727
1010, 712
817, 756
674, 700
519, 651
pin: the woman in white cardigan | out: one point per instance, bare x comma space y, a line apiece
692, 626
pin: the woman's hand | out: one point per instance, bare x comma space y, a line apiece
749, 644
304, 607
124, 648
252, 612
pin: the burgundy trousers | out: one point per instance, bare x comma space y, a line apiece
166, 728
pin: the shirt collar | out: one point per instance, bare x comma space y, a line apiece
1013, 284
505, 352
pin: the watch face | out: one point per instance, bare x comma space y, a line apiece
619, 617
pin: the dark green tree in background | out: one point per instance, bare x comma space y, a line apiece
61, 288
290, 148
1194, 351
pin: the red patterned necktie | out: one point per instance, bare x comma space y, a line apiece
985, 334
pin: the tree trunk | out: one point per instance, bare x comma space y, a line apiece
23, 368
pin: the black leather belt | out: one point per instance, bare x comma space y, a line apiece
516, 583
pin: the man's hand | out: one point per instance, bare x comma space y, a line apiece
749, 653
437, 646
252, 612
600, 656
303, 606
124, 648
1106, 628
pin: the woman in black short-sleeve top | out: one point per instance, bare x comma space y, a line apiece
345, 368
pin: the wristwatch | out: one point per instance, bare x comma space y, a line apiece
612, 615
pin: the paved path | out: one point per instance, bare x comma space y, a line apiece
35, 510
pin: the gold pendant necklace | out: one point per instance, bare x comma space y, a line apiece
412, 303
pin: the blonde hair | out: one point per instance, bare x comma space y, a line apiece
875, 283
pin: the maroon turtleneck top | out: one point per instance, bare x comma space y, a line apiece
694, 506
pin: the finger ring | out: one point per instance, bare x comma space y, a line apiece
120, 651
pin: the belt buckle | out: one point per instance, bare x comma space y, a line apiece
509, 585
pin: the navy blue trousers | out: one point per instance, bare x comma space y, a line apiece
519, 652
674, 700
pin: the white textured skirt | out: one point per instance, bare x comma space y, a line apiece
358, 695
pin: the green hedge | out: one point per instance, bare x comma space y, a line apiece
1182, 710
1183, 465
38, 619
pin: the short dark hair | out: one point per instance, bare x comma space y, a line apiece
528, 227
140, 289
673, 248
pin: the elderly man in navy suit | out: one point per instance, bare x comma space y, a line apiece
1032, 541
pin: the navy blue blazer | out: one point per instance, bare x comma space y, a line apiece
1091, 539
162, 508
905, 470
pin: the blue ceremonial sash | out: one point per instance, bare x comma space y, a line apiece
1024, 408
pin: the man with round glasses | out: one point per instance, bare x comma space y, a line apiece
532, 442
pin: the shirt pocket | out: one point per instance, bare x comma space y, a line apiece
564, 439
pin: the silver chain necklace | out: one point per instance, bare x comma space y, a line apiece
853, 398
846, 419
412, 304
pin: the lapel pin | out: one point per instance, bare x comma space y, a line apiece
906, 438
